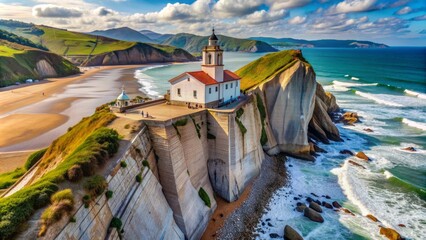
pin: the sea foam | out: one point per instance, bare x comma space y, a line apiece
351, 84
414, 124
415, 94
354, 78
377, 99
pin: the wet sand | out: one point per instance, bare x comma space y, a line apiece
32, 116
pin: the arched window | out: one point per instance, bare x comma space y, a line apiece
210, 59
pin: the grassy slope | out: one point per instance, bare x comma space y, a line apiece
261, 69
18, 63
194, 43
82, 144
65, 42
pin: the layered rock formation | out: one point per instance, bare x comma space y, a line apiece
139, 54
297, 107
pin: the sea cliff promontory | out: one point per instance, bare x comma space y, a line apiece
162, 177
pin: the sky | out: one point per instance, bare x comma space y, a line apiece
393, 22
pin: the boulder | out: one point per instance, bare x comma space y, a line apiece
300, 208
368, 130
336, 204
401, 225
327, 205
362, 156
348, 211
390, 233
411, 149
373, 218
315, 206
349, 118
309, 199
356, 164
313, 215
274, 235
313, 194
291, 234
345, 151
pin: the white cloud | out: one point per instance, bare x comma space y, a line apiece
286, 4
103, 11
236, 8
404, 10
54, 11
262, 16
14, 11
297, 20
348, 6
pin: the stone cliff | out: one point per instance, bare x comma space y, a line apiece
139, 54
297, 108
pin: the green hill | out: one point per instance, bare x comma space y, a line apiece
261, 69
194, 43
18, 63
331, 43
8, 36
125, 34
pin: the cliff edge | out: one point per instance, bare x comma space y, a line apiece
297, 109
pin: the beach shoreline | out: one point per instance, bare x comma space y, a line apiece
49, 113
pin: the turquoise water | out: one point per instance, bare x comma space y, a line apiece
387, 88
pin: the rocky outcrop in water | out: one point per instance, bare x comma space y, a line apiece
139, 54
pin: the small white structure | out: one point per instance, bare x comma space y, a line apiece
29, 80
209, 87
122, 99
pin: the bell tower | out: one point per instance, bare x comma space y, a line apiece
212, 63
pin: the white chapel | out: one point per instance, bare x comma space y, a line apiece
210, 87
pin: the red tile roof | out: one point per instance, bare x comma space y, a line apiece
229, 76
203, 77
206, 79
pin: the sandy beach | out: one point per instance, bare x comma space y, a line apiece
32, 116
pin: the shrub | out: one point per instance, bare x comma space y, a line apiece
240, 112
116, 223
34, 158
243, 129
9, 178
145, 163
65, 194
95, 185
197, 127
139, 178
108, 194
73, 220
181, 122
75, 173
86, 200
123, 164
204, 196
263, 137
261, 108
127, 126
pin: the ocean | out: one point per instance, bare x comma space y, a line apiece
387, 88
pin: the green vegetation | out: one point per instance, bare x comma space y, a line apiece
19, 40
62, 203
34, 158
139, 178
262, 112
204, 196
145, 163
197, 127
95, 185
108, 194
123, 164
86, 200
243, 129
116, 223
240, 112
9, 178
181, 122
261, 69
87, 144
18, 63
194, 43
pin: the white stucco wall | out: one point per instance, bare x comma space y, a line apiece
187, 90
214, 95
215, 72
233, 91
